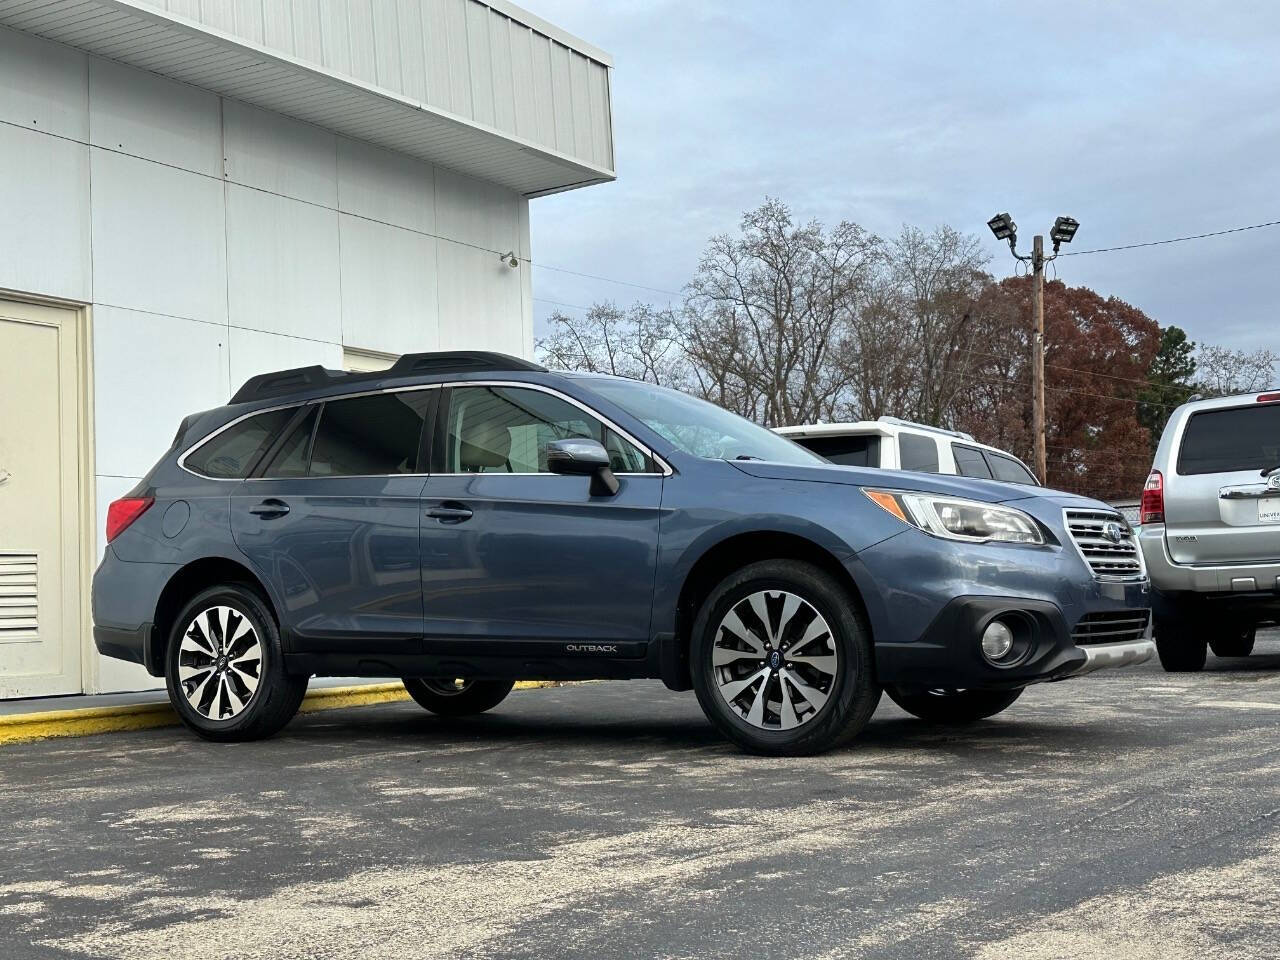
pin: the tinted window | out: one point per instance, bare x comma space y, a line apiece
369, 436
1222, 441
918, 453
849, 451
507, 430
970, 462
292, 457
231, 454
1009, 470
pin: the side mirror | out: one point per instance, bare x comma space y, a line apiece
583, 458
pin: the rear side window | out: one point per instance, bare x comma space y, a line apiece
1009, 470
374, 435
970, 462
293, 456
848, 451
1224, 441
918, 453
231, 454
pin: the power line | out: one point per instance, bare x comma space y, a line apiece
1158, 243
593, 276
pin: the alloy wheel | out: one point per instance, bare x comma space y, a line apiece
220, 663
775, 660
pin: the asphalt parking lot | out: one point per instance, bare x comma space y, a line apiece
1130, 814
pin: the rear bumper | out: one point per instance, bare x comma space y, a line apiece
1169, 577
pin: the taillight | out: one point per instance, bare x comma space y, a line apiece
1268, 397
123, 512
1153, 498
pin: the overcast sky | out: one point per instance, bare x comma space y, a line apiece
1141, 120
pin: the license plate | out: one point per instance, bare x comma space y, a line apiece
1269, 510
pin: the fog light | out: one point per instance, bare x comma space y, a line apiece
997, 641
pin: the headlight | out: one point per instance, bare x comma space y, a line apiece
956, 519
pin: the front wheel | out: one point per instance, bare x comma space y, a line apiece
1180, 640
781, 660
457, 698
954, 706
224, 668
1238, 644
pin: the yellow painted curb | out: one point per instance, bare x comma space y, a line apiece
24, 727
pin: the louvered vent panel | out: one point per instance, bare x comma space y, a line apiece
19, 597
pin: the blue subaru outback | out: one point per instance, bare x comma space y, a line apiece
465, 519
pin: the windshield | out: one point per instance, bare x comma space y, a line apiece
700, 428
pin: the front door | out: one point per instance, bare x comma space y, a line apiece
40, 536
332, 518
514, 554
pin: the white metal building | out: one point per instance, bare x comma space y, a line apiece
196, 191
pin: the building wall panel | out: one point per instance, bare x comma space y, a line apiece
279, 155
145, 115
386, 186
185, 362
158, 238
388, 287
282, 265
478, 297
44, 194
477, 213
43, 85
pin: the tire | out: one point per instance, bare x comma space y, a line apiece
210, 677
446, 698
954, 706
1180, 640
808, 611
1238, 645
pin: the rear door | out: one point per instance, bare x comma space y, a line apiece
331, 517
1219, 509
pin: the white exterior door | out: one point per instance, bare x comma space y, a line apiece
40, 537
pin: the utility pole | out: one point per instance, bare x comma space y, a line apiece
1064, 228
1037, 356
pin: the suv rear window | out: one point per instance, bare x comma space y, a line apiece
970, 462
1009, 470
1224, 441
230, 454
861, 451
918, 453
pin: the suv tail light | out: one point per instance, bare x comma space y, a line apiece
1268, 397
123, 512
1153, 498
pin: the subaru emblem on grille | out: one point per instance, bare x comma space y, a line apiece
1113, 531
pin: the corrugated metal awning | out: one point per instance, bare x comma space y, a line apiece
152, 39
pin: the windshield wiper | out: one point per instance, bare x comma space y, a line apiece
1268, 471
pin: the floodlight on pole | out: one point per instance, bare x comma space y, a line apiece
1064, 229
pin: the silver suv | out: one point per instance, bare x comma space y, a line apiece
1211, 528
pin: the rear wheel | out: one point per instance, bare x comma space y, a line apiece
1238, 644
1180, 639
781, 660
954, 706
457, 698
224, 669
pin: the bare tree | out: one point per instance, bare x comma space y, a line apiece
1223, 371
770, 308
641, 342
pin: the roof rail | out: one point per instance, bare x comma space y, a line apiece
924, 426
280, 383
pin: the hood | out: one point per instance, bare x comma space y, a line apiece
987, 491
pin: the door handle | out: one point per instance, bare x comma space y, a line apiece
270, 509
450, 512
